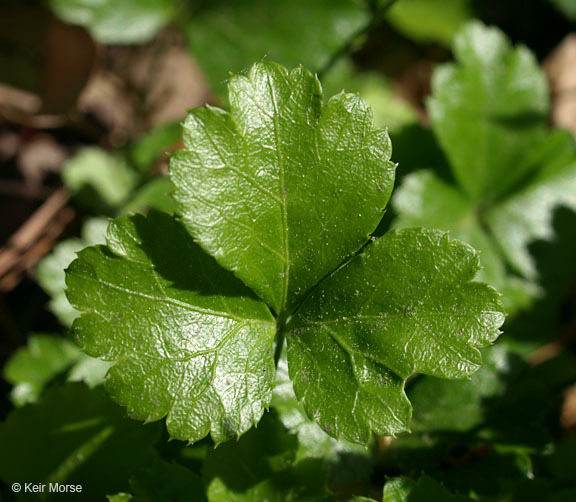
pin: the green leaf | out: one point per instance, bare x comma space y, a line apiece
257, 186
189, 341
50, 271
511, 172
425, 489
89, 370
43, 360
284, 191
530, 211
398, 489
99, 180
260, 466
117, 21
77, 436
229, 36
430, 20
488, 110
32, 367
423, 315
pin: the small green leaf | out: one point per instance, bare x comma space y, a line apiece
120, 497
398, 489
405, 305
89, 370
488, 110
268, 188
117, 21
389, 110
189, 341
430, 20
32, 367
78, 436
99, 180
45, 358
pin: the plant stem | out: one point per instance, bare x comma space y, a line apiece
280, 336
279, 346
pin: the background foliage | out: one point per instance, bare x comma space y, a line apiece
477, 100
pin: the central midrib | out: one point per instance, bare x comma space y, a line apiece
285, 242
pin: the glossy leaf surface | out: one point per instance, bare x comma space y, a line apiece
268, 188
284, 191
405, 305
424, 199
190, 342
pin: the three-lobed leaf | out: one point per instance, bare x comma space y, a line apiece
283, 191
510, 171
488, 110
